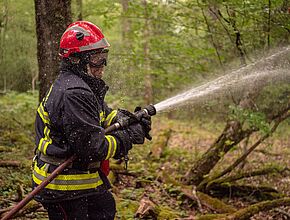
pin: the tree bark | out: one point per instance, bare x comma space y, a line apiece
148, 96
3, 26
251, 210
52, 18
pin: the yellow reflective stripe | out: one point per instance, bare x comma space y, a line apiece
46, 97
43, 114
109, 118
102, 117
45, 141
112, 146
68, 182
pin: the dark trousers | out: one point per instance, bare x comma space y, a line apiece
96, 207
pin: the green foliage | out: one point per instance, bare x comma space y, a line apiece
18, 63
249, 118
17, 115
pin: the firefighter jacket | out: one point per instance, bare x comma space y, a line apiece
70, 121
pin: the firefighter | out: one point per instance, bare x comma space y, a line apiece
70, 120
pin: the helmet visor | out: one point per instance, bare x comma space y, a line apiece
99, 58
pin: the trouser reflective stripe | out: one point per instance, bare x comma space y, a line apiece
68, 182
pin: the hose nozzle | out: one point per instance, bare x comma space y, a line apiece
150, 110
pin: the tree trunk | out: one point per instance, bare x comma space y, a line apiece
148, 96
3, 26
80, 10
231, 136
126, 24
52, 18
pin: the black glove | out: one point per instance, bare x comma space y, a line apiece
136, 133
146, 124
124, 143
125, 118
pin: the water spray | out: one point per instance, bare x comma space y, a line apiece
252, 77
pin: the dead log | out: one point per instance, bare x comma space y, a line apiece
246, 213
204, 199
260, 172
160, 144
236, 190
9, 163
32, 206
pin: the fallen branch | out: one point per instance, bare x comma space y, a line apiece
9, 163
199, 197
246, 213
229, 179
231, 190
29, 208
286, 214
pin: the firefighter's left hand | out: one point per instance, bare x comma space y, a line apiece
146, 124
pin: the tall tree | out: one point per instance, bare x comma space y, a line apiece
52, 18
148, 96
3, 25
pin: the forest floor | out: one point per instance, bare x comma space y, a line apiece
186, 141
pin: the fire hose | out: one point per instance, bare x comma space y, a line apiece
148, 110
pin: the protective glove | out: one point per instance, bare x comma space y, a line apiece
125, 118
124, 143
136, 133
146, 124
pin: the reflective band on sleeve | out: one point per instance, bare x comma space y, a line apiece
68, 182
109, 118
112, 146
100, 44
43, 114
45, 141
102, 117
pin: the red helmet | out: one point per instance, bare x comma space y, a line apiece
81, 36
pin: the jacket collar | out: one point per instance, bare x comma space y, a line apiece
98, 86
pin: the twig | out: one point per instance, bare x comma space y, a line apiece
287, 214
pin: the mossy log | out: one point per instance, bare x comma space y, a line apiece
242, 175
246, 213
205, 200
259, 192
160, 143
